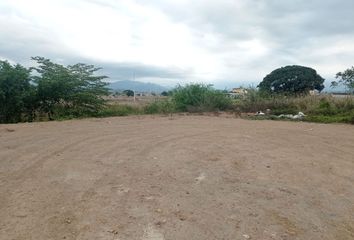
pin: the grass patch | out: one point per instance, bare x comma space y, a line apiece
166, 106
323, 109
331, 118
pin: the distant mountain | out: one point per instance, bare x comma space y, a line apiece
136, 86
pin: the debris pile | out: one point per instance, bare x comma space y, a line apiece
259, 113
298, 116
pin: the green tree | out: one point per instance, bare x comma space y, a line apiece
292, 80
166, 93
14, 90
129, 93
74, 88
31, 103
346, 78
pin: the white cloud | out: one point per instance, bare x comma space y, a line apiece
211, 41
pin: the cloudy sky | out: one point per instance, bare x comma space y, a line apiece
224, 42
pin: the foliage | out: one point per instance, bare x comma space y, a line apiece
292, 80
165, 106
15, 92
161, 106
340, 118
346, 78
75, 91
166, 93
31, 104
324, 109
199, 97
129, 93
74, 86
53, 89
118, 110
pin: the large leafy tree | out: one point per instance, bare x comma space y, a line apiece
75, 87
15, 91
346, 78
292, 80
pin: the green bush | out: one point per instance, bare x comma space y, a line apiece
199, 98
16, 92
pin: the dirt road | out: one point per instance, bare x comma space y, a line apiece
192, 177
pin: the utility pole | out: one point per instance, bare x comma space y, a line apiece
134, 80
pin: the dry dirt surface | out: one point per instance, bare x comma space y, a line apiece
190, 177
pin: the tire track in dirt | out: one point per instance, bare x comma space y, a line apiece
138, 178
110, 179
90, 197
79, 143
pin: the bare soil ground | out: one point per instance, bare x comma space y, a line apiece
192, 177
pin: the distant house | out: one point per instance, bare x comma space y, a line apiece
238, 92
314, 92
241, 91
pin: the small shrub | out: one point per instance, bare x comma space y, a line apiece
199, 98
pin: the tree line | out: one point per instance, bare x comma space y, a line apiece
53, 91
47, 89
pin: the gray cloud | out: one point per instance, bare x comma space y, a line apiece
128, 71
293, 30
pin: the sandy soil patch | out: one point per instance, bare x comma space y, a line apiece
192, 177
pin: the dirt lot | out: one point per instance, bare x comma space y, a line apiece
192, 177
